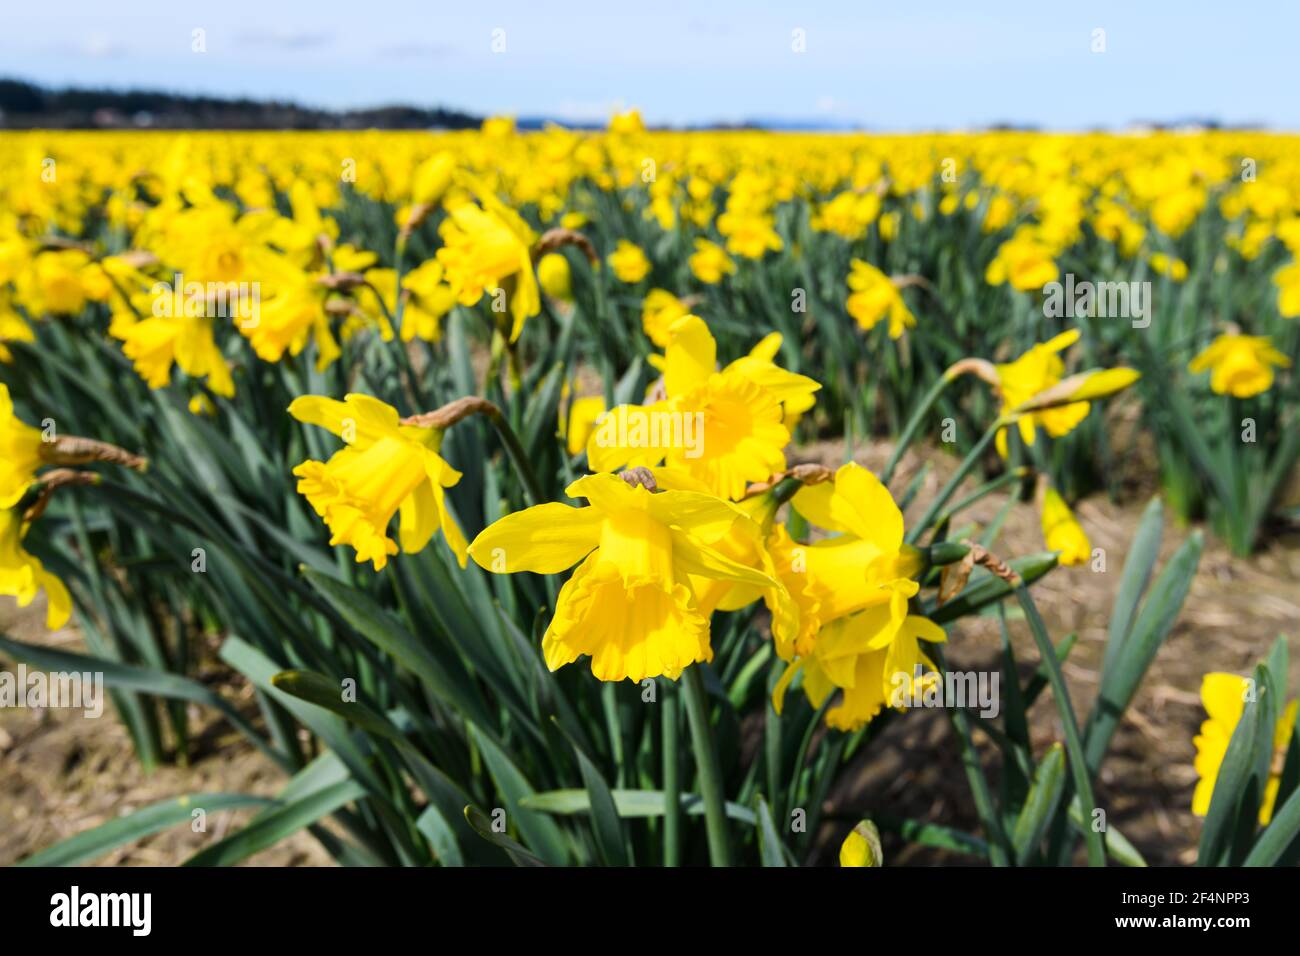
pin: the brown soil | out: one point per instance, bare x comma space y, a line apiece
61, 773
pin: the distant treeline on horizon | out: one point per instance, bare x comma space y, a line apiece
25, 105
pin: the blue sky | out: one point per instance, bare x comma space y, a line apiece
896, 65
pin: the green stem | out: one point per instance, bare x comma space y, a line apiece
532, 489
999, 846
1073, 743
958, 477
1010, 478
706, 760
913, 426
672, 782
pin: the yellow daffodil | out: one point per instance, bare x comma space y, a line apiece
873, 658
796, 392
1240, 365
428, 299
61, 282
292, 316
583, 413
432, 178
629, 605
629, 263
489, 248
723, 428
749, 235
1114, 223
848, 215
154, 344
1287, 280
22, 575
497, 127
553, 274
875, 297
861, 848
12, 329
660, 310
387, 468
1224, 698
1024, 261
626, 122
1062, 531
855, 633
1166, 265
710, 262
20, 452
1036, 371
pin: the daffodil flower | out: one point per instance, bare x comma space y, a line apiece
872, 657
577, 428
1062, 531
740, 411
22, 575
852, 593
12, 329
429, 298
1240, 365
861, 848
1025, 261
483, 247
388, 468
710, 262
1287, 280
876, 297
292, 315
1035, 372
553, 274
1224, 698
629, 263
20, 452
156, 343
629, 605
659, 312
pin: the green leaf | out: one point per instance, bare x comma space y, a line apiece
483, 827
1283, 829
1079, 773
934, 835
610, 839
542, 834
630, 803
771, 851
1149, 631
437, 829
379, 626
1118, 848
274, 825
1040, 805
144, 822
1138, 566
320, 690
